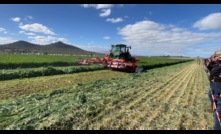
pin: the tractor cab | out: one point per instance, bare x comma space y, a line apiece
120, 51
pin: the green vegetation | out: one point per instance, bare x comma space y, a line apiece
146, 100
43, 65
11, 89
101, 99
13, 61
150, 63
45, 71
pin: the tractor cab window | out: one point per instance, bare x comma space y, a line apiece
122, 49
115, 49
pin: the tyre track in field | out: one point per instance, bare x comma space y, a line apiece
166, 102
188, 123
118, 115
184, 94
202, 118
131, 96
177, 99
183, 102
155, 113
192, 117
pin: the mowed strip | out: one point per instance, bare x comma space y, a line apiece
145, 97
169, 107
16, 88
166, 98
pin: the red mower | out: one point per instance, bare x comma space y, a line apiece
118, 58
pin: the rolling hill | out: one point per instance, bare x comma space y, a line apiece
54, 48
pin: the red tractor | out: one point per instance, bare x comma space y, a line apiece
118, 58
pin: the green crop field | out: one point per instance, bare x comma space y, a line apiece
8, 74
163, 97
12, 61
19, 58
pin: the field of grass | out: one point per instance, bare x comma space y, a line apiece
11, 89
155, 62
14, 66
12, 61
8, 74
171, 97
19, 58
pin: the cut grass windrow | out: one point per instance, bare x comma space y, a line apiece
162, 98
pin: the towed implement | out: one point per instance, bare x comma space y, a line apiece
118, 58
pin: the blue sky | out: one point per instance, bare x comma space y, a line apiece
151, 29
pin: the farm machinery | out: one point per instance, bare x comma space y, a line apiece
118, 58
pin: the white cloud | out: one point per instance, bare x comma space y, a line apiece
42, 40
151, 38
88, 5
97, 6
21, 32
105, 12
3, 30
100, 6
36, 27
106, 37
114, 20
16, 19
6, 40
30, 34
212, 21
26, 33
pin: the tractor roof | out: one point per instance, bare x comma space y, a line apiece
119, 45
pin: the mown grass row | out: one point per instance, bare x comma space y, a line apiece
81, 105
11, 89
45, 71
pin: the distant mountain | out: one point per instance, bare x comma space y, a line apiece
54, 48
19, 45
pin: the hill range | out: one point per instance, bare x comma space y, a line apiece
53, 48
